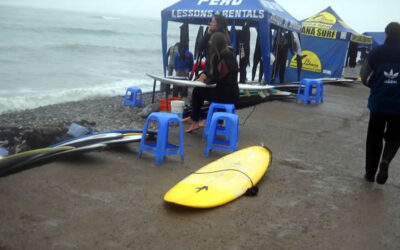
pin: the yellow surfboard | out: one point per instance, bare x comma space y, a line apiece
223, 180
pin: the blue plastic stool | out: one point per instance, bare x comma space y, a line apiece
3, 152
133, 97
217, 107
162, 147
307, 94
230, 132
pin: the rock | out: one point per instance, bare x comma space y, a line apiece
101, 114
146, 111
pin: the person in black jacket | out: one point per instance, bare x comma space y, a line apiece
218, 24
223, 72
282, 46
381, 73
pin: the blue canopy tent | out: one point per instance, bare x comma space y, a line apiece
325, 41
378, 38
258, 13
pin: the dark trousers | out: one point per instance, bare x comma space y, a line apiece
243, 71
179, 91
381, 127
282, 68
260, 72
199, 95
280, 65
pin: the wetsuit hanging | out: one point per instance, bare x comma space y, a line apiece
203, 49
244, 51
198, 53
257, 58
199, 36
184, 39
274, 49
234, 40
296, 51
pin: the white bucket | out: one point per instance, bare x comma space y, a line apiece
177, 107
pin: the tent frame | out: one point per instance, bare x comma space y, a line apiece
261, 19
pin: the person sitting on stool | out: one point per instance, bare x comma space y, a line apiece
223, 72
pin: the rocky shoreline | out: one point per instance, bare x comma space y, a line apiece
105, 113
99, 114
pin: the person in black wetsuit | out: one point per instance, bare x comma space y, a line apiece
218, 24
352, 52
282, 43
222, 72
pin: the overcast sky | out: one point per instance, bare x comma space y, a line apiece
361, 15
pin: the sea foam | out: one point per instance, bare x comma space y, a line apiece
29, 99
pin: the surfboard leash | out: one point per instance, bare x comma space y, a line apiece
251, 191
248, 116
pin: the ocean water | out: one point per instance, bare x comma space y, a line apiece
52, 56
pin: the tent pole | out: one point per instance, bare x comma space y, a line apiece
164, 28
264, 27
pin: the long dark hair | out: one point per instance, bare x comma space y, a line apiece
218, 45
222, 24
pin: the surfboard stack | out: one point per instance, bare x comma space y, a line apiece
79, 145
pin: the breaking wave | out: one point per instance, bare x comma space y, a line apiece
29, 99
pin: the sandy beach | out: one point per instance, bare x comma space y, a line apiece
312, 197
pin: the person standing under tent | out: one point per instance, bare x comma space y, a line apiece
282, 45
170, 64
223, 72
170, 58
218, 23
364, 53
351, 59
381, 73
183, 65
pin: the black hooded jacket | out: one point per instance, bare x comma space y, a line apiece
224, 75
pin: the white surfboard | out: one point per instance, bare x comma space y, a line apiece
245, 86
277, 86
182, 83
187, 83
344, 80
